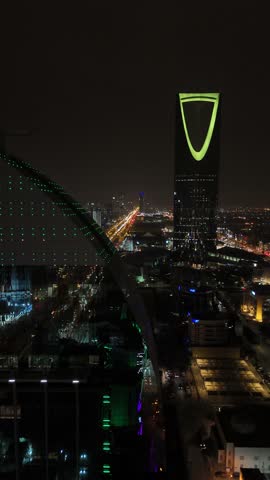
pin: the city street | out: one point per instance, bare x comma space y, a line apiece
153, 421
263, 355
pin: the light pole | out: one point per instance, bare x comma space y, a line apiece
15, 426
77, 426
45, 386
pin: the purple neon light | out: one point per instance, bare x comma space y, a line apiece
139, 405
140, 431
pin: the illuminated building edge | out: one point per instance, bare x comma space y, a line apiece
199, 97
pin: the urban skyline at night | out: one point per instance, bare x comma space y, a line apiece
134, 242
102, 109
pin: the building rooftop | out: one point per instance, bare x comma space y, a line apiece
213, 315
245, 427
228, 381
260, 289
252, 474
239, 254
148, 254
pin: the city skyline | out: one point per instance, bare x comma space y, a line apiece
100, 102
134, 241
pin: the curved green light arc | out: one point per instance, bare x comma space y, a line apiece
199, 97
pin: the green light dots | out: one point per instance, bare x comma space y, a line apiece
199, 97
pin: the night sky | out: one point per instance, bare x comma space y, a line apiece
97, 86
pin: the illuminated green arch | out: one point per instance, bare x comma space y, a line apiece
199, 97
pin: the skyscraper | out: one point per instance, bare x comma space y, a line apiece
197, 155
97, 216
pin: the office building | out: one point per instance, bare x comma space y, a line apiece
244, 440
97, 216
197, 154
208, 329
141, 202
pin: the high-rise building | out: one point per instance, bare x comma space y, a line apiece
97, 216
197, 154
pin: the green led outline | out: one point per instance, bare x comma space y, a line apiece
201, 97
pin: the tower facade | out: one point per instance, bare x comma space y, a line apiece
197, 152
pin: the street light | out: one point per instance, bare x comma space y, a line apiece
15, 427
44, 382
77, 427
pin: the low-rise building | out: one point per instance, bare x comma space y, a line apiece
209, 329
244, 438
227, 381
251, 474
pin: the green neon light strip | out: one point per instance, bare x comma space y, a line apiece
199, 97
